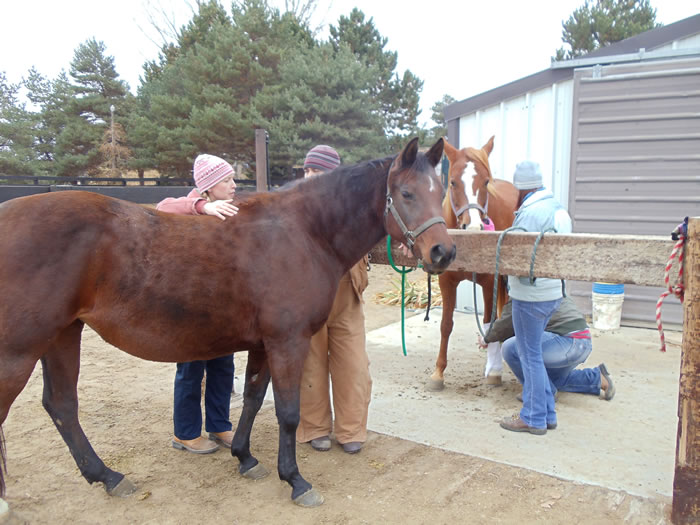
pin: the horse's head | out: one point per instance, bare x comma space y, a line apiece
466, 164
414, 198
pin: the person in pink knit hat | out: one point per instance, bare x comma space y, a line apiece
213, 195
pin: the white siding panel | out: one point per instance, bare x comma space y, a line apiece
534, 126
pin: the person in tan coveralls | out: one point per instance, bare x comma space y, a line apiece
337, 350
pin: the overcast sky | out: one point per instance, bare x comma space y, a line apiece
456, 47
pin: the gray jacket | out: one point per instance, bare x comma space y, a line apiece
539, 212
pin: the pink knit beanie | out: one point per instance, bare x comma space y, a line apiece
208, 170
322, 158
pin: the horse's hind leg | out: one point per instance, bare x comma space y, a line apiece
257, 377
61, 365
494, 356
15, 370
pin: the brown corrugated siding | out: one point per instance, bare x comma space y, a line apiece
635, 165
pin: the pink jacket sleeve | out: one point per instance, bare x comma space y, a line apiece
190, 205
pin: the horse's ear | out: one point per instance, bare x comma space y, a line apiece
488, 147
435, 153
450, 151
408, 154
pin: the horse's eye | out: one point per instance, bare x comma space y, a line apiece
407, 195
453, 184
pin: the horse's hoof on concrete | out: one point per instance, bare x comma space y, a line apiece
435, 385
310, 498
255, 473
123, 489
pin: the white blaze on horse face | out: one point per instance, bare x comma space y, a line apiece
467, 175
433, 186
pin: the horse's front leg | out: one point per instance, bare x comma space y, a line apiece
257, 377
448, 282
286, 363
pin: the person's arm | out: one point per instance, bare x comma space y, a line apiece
182, 205
502, 328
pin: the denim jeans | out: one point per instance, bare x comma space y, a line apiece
561, 356
529, 322
187, 409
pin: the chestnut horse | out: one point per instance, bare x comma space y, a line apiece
493, 200
263, 281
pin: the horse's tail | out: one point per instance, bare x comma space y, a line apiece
3, 463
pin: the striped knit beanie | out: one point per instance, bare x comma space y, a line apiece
209, 170
322, 158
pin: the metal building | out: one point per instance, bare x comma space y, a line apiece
617, 133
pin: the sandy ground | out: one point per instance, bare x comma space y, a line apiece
449, 464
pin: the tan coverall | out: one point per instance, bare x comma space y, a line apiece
338, 349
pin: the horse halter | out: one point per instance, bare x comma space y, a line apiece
410, 235
469, 206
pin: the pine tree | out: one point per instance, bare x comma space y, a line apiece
399, 96
16, 152
94, 89
595, 25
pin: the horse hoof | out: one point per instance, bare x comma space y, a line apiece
435, 385
310, 498
255, 473
123, 489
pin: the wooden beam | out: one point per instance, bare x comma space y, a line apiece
686, 481
261, 160
580, 256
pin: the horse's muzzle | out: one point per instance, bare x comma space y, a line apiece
441, 256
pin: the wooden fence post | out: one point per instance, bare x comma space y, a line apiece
686, 481
261, 160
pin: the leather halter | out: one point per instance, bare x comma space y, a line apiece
469, 206
410, 235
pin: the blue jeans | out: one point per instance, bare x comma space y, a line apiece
529, 322
561, 356
187, 409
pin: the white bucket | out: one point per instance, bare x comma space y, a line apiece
607, 310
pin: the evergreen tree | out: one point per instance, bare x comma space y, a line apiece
95, 88
438, 116
398, 97
321, 98
16, 152
51, 98
597, 24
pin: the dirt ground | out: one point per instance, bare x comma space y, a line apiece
125, 410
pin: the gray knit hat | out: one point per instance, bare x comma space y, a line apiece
527, 176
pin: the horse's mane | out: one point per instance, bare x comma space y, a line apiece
345, 178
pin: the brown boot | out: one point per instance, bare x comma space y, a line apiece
200, 445
222, 438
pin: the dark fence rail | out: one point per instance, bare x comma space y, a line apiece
139, 190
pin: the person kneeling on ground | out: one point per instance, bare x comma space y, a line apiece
566, 343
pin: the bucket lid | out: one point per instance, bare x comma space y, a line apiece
608, 288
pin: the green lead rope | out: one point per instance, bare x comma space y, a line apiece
403, 271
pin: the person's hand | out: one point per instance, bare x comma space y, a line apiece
405, 250
480, 342
221, 209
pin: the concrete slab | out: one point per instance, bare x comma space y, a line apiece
625, 444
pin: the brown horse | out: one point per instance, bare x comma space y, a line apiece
492, 200
179, 288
